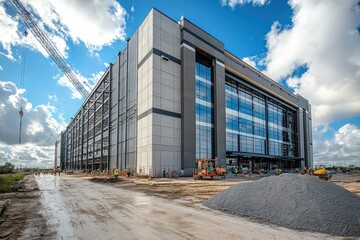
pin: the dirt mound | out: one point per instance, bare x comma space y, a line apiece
103, 180
295, 201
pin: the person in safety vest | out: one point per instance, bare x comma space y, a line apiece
116, 173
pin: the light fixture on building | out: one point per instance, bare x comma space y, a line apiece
164, 58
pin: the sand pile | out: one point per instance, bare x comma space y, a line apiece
295, 201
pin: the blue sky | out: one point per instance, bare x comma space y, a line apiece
311, 47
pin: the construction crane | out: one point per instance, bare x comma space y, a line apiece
50, 48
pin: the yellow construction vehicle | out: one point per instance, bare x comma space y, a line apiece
323, 173
206, 169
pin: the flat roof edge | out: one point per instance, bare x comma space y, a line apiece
258, 72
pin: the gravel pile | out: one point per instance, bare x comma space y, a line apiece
294, 201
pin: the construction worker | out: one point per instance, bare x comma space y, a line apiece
116, 173
236, 171
106, 174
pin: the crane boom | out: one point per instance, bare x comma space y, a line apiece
50, 48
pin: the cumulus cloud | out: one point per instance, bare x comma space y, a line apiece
323, 38
94, 23
38, 126
12, 36
39, 129
1, 68
132, 9
233, 3
27, 155
342, 149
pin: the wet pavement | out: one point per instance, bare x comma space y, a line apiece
74, 208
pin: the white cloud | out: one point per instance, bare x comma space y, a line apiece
39, 129
95, 77
12, 36
91, 82
53, 98
250, 61
1, 68
65, 82
233, 3
38, 124
342, 149
323, 38
8, 35
132, 9
27, 155
94, 23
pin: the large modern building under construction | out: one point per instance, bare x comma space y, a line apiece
175, 95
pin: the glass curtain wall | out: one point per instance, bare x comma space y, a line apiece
245, 119
281, 130
246, 123
204, 88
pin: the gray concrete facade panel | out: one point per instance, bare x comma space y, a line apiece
203, 40
188, 149
202, 44
300, 120
201, 34
160, 54
308, 140
219, 114
131, 101
159, 111
133, 71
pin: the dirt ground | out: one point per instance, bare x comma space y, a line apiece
181, 187
22, 207
349, 181
25, 217
175, 188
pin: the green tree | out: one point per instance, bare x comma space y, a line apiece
7, 168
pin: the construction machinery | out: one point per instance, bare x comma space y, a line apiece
207, 169
323, 173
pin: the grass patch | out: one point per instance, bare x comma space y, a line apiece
7, 182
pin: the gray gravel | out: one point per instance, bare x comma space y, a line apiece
294, 201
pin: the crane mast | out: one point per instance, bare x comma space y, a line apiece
50, 48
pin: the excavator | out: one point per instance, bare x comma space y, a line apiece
207, 169
321, 172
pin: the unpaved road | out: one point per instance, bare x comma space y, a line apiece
74, 208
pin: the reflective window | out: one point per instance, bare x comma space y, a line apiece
246, 122
282, 130
204, 110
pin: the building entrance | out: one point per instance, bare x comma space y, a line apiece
261, 165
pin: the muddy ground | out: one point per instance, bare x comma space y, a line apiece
25, 218
22, 209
